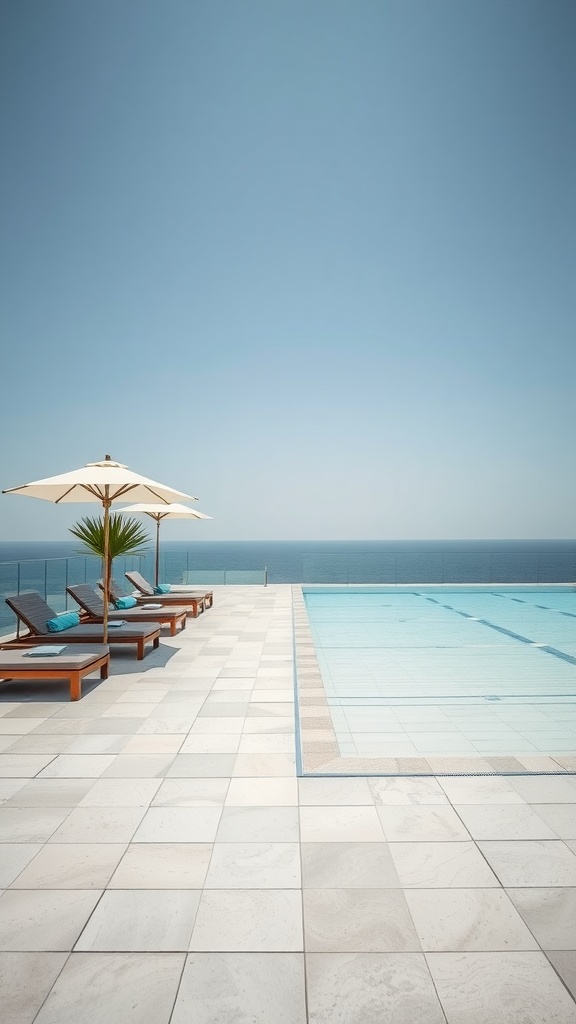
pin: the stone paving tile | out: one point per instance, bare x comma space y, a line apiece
275, 792
547, 863
335, 791
247, 988
141, 920
513, 987
113, 988
44, 920
99, 825
358, 921
348, 866
25, 981
564, 962
30, 824
188, 766
560, 817
503, 821
389, 792
179, 825
258, 824
441, 865
13, 859
453, 920
256, 920
202, 792
77, 866
339, 824
550, 914
51, 793
9, 788
162, 866
371, 988
254, 866
264, 765
435, 823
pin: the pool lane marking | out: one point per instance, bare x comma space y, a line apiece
508, 632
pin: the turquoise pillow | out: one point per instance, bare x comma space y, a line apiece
125, 602
66, 621
162, 588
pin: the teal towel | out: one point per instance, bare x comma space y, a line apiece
66, 621
162, 588
125, 602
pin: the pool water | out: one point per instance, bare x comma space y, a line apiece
427, 671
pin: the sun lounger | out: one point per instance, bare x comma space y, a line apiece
33, 611
93, 605
193, 605
194, 602
73, 663
147, 589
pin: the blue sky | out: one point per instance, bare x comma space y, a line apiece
311, 260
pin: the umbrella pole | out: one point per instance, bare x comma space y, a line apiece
106, 504
157, 550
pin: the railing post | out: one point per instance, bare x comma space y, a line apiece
18, 591
265, 576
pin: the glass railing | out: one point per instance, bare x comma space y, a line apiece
226, 577
51, 576
439, 567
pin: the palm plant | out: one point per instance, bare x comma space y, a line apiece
126, 537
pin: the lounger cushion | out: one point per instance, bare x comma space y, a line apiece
60, 622
162, 588
125, 602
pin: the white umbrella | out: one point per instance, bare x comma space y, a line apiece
104, 482
160, 512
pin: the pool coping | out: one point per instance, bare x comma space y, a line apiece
317, 744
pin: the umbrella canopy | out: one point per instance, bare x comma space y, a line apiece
104, 482
160, 512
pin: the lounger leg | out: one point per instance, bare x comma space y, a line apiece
104, 670
75, 686
173, 627
157, 642
140, 653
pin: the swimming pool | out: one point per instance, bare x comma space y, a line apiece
430, 674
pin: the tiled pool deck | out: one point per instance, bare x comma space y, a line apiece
161, 861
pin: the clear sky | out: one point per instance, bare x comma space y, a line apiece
311, 260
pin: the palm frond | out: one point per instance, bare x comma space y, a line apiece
125, 536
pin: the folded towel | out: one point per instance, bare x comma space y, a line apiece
66, 621
125, 602
115, 623
45, 651
162, 588
155, 606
